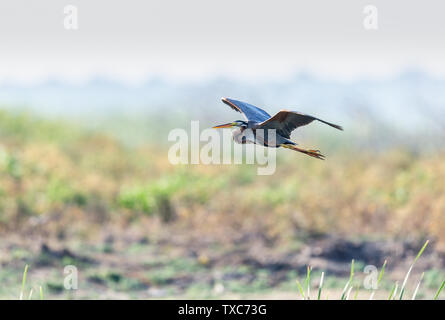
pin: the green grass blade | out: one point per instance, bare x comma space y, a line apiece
308, 282
440, 289
41, 293
300, 289
393, 290
421, 251
352, 271
381, 273
343, 293
351, 275
321, 285
417, 287
356, 292
402, 289
23, 282
349, 292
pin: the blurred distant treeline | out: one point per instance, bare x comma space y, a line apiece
406, 110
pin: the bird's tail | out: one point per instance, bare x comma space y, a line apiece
311, 153
336, 126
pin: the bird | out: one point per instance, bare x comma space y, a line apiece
284, 122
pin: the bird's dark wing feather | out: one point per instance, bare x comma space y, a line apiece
250, 112
287, 121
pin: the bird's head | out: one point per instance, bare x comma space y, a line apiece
236, 123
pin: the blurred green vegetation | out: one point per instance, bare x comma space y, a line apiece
59, 181
55, 173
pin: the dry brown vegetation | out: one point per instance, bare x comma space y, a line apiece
59, 182
47, 176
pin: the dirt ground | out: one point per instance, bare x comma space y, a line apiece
135, 266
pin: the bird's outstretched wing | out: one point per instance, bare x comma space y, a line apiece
287, 121
250, 112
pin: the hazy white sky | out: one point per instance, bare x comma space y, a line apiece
195, 39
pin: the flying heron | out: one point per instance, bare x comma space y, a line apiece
284, 122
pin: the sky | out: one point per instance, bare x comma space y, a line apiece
193, 40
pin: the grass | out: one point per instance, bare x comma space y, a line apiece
418, 286
25, 272
22, 292
320, 286
402, 289
379, 279
439, 290
347, 289
164, 271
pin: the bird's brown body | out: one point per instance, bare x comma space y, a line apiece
257, 136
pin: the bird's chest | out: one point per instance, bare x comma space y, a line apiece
248, 135
243, 135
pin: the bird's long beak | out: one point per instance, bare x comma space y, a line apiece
227, 125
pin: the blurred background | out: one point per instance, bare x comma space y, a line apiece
84, 174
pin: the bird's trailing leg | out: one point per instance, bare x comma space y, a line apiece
312, 153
